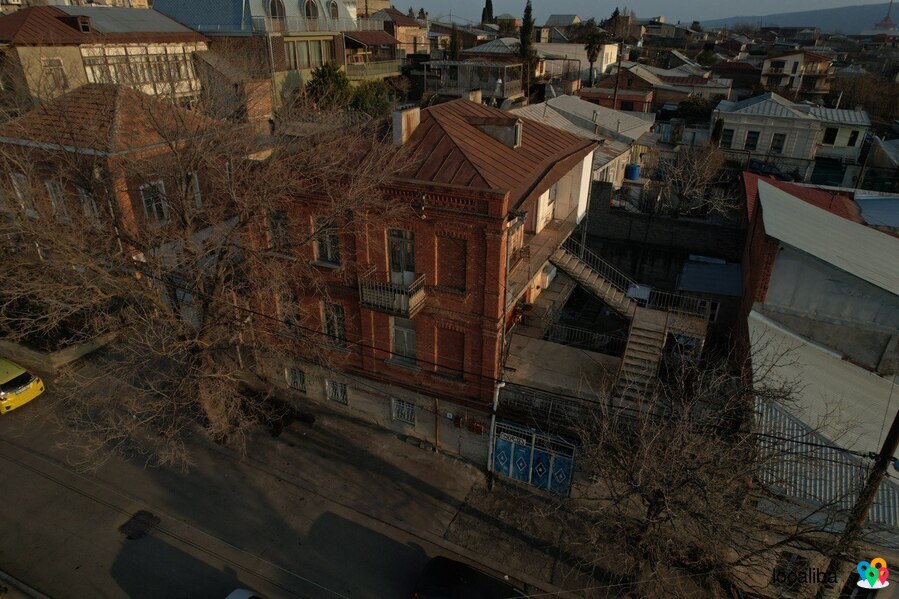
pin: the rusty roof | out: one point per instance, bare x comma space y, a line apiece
105, 119
50, 25
453, 150
403, 20
372, 38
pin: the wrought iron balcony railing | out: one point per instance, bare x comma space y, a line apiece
377, 293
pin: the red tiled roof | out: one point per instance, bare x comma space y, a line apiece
401, 19
373, 38
104, 118
453, 150
836, 203
48, 25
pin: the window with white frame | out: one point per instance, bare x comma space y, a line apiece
403, 411
88, 204
403, 340
22, 189
54, 75
336, 391
296, 379
156, 206
327, 244
334, 323
57, 199
192, 189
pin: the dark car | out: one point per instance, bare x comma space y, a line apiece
444, 578
764, 168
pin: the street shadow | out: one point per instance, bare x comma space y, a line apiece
149, 568
370, 563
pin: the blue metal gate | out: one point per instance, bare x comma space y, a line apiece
526, 455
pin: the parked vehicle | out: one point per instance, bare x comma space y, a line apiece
443, 578
17, 386
763, 168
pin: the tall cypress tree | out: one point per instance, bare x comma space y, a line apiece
526, 51
487, 13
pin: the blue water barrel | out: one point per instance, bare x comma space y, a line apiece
632, 172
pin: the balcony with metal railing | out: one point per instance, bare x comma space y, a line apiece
376, 292
306, 24
374, 69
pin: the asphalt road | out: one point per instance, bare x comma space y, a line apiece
223, 525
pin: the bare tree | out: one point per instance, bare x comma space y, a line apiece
171, 231
686, 494
695, 180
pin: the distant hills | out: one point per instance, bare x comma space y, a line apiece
845, 19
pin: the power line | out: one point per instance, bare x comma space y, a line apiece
609, 403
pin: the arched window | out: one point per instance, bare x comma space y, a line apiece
276, 9
332, 9
310, 9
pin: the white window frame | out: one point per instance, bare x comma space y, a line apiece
327, 244
21, 187
192, 188
162, 201
403, 328
402, 411
330, 320
295, 378
88, 204
57, 199
336, 391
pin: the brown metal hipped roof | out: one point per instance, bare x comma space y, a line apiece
373, 38
454, 151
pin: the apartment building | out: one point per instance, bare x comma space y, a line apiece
798, 74
50, 50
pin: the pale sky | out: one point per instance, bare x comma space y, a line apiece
672, 10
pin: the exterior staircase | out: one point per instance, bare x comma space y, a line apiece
651, 318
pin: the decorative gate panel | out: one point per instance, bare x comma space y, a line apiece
526, 455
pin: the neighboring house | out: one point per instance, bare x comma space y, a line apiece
745, 77
623, 98
670, 86
768, 128
822, 145
419, 323
470, 36
821, 305
608, 55
799, 74
114, 128
372, 55
881, 171
507, 22
411, 33
366, 8
556, 28
280, 39
50, 50
11, 5
673, 31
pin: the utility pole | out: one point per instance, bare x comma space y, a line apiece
617, 76
859, 513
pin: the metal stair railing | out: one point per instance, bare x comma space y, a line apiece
618, 279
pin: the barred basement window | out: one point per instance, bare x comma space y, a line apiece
296, 379
404, 411
336, 391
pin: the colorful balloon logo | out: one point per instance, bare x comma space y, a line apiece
873, 574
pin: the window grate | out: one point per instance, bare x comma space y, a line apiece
402, 410
296, 379
336, 392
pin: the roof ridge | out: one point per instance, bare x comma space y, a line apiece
458, 147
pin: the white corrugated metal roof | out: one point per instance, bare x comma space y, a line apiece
866, 253
769, 104
613, 121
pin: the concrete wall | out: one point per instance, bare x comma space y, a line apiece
39, 85
449, 427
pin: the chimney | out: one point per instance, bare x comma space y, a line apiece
475, 95
405, 120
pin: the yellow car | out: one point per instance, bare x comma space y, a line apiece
17, 386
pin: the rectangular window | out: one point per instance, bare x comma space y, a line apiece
327, 244
296, 379
22, 188
54, 75
302, 55
287, 309
336, 391
88, 204
778, 142
452, 256
830, 136
278, 237
155, 204
752, 141
192, 189
326, 51
553, 192
853, 139
335, 323
403, 341
57, 200
402, 411
315, 54
401, 247
627, 105
727, 138
290, 49
795, 67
